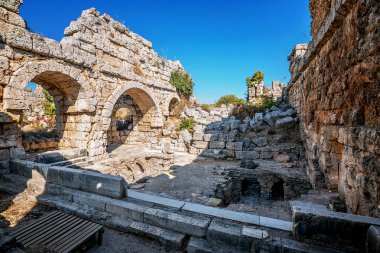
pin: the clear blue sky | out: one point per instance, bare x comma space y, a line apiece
218, 42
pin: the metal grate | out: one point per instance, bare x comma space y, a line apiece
58, 232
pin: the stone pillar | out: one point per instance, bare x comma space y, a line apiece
255, 92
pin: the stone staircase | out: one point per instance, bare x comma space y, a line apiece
176, 224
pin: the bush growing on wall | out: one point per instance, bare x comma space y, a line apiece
255, 79
229, 100
187, 124
183, 83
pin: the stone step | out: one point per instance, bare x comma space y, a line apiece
60, 155
170, 239
177, 222
229, 233
70, 162
141, 212
199, 245
15, 179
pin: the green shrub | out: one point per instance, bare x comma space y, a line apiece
49, 104
183, 83
268, 102
255, 79
206, 107
188, 124
229, 100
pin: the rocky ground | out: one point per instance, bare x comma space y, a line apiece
195, 179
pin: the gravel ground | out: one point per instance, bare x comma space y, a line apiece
115, 241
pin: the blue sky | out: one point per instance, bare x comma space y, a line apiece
218, 42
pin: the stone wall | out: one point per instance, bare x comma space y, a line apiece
335, 88
257, 92
96, 62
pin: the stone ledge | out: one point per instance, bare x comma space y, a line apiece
330, 227
177, 222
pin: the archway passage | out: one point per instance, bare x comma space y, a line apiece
60, 92
126, 116
133, 119
278, 191
250, 191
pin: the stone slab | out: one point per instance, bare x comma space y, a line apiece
126, 209
275, 223
177, 222
167, 237
155, 199
224, 232
198, 245
60, 155
222, 213
88, 181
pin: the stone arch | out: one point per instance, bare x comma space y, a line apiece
72, 95
143, 96
70, 81
172, 98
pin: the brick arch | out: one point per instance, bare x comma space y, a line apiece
169, 99
53, 76
144, 98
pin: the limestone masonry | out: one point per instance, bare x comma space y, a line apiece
96, 62
335, 88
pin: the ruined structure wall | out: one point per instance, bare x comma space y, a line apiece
97, 61
335, 88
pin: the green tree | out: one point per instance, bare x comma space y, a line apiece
49, 104
229, 99
183, 83
257, 77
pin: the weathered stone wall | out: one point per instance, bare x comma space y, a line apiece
97, 61
255, 93
335, 88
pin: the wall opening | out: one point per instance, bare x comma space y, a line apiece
250, 191
277, 192
46, 123
131, 119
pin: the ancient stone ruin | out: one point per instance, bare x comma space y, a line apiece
301, 176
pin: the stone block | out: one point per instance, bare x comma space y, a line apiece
242, 155
217, 145
107, 185
200, 144
287, 121
373, 239
169, 238
4, 167
237, 146
225, 232
331, 227
4, 154
126, 209
198, 245
177, 222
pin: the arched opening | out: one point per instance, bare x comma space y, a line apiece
125, 117
133, 119
173, 107
277, 192
38, 123
250, 191
46, 104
